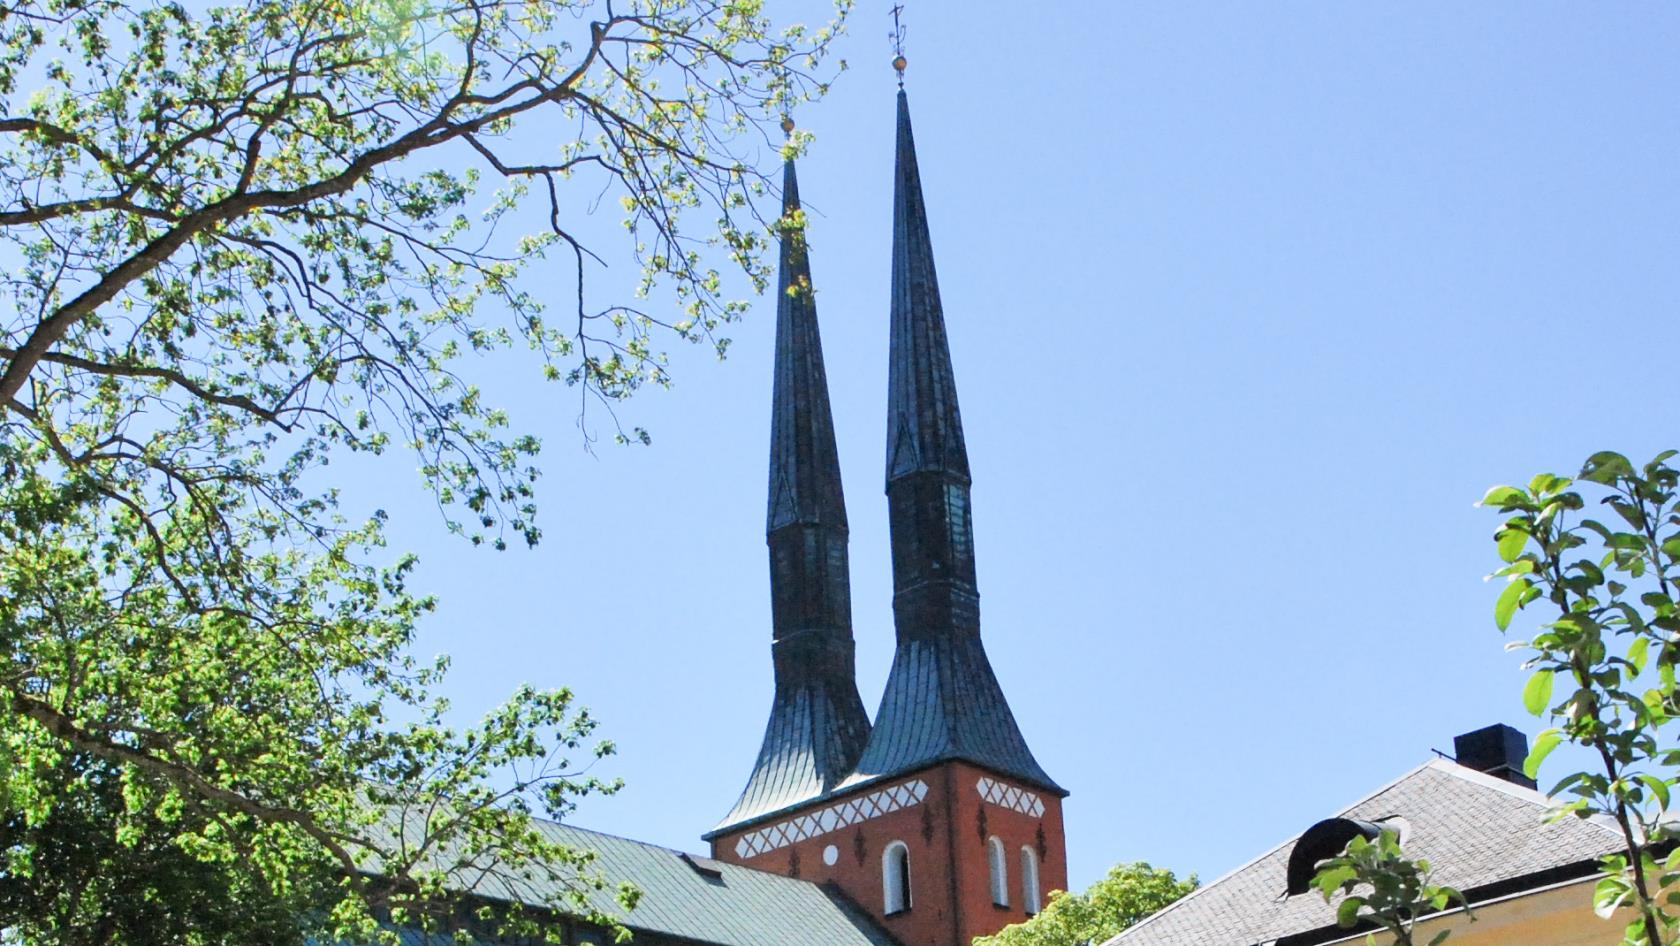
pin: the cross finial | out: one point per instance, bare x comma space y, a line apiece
897, 37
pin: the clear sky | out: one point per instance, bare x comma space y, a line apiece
1248, 304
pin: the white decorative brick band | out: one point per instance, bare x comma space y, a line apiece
1008, 796
832, 818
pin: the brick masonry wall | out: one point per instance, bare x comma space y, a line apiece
944, 815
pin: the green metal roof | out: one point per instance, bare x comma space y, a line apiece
694, 899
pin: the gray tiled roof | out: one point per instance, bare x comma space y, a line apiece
737, 906
1473, 829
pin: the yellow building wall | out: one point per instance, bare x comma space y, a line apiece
1560, 916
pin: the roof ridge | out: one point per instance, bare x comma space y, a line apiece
608, 834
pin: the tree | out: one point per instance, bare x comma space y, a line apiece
149, 891
1129, 894
237, 243
1612, 635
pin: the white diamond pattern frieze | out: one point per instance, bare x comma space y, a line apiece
833, 818
1008, 796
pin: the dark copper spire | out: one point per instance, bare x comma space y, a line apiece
818, 725
924, 425
927, 460
804, 462
942, 699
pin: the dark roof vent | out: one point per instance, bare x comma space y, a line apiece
1321, 842
1498, 750
704, 866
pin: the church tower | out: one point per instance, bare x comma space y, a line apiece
946, 827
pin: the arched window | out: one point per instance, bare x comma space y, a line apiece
1029, 879
1000, 871
895, 877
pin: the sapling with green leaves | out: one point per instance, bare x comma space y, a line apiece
1597, 559
1380, 886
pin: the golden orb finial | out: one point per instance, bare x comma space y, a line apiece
897, 36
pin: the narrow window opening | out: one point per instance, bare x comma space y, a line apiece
1030, 893
895, 877
1000, 871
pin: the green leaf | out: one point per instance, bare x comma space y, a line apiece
1654, 701
1500, 495
1609, 894
1511, 542
1347, 912
1626, 541
1632, 514
1537, 695
1331, 878
1522, 566
1638, 653
1605, 466
1509, 601
1543, 746
1588, 570
1658, 788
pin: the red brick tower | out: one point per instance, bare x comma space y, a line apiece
943, 825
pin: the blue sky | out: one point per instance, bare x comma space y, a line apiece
1248, 304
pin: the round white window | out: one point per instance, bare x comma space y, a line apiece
831, 854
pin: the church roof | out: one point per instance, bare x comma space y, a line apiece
804, 730
692, 899
943, 703
1477, 831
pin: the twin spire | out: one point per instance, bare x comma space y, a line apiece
818, 725
942, 701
